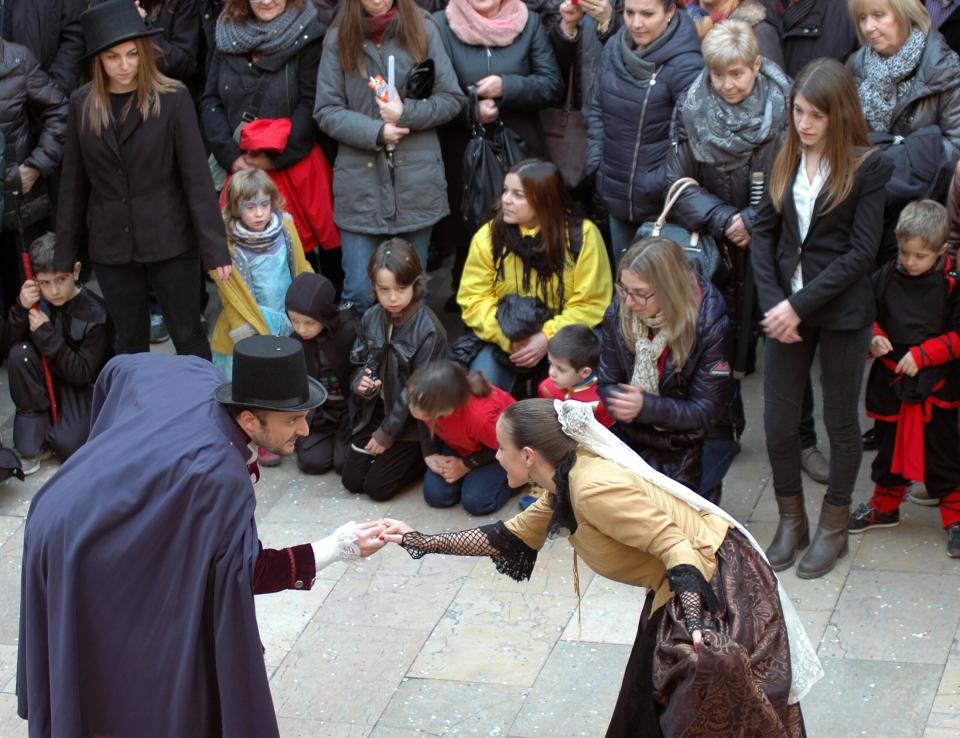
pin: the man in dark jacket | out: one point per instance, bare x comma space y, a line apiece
814, 28
141, 554
51, 30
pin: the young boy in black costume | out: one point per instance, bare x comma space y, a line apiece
327, 331
913, 391
71, 329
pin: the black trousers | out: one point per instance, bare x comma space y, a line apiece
785, 374
174, 281
320, 452
941, 450
383, 477
33, 429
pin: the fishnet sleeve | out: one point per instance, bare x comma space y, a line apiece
694, 593
510, 555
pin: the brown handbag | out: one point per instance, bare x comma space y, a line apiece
565, 137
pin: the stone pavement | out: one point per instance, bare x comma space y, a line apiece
389, 647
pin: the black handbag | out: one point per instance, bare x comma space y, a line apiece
419, 84
485, 164
701, 250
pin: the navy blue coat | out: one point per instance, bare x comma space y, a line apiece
136, 611
669, 431
628, 120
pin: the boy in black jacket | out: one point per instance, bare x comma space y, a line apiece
71, 329
913, 391
327, 331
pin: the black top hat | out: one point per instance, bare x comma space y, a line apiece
270, 373
112, 23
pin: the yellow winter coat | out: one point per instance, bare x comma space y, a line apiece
587, 286
239, 307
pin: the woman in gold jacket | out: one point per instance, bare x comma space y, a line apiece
534, 247
720, 650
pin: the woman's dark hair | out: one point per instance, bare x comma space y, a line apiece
397, 256
411, 29
239, 11
534, 424
442, 386
544, 189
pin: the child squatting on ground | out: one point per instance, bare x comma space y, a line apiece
71, 330
913, 390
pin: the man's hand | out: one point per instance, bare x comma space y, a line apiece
737, 232
367, 387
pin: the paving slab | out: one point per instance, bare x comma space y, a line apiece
575, 693
438, 707
894, 616
498, 638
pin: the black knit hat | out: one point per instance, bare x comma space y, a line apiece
111, 23
312, 295
270, 373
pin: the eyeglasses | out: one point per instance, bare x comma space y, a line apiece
638, 297
251, 205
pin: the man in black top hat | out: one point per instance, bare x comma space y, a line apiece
141, 554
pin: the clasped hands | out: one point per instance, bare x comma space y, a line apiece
781, 322
450, 468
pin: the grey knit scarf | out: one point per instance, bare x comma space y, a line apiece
887, 79
725, 136
254, 36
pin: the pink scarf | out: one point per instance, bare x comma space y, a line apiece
477, 30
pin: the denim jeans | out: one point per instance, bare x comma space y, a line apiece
495, 372
482, 491
355, 252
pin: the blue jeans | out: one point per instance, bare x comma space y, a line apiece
622, 234
355, 252
495, 372
482, 491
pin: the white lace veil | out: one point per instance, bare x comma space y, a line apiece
578, 422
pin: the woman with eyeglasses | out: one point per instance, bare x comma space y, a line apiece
664, 367
536, 246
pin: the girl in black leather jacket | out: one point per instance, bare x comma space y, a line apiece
398, 335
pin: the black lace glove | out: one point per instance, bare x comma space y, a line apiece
694, 593
510, 555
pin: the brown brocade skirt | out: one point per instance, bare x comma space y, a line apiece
736, 685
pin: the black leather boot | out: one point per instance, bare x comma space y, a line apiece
793, 533
829, 542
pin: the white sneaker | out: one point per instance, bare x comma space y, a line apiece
31, 464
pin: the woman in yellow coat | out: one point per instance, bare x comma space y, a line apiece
534, 247
266, 255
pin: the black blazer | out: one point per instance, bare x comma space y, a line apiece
836, 257
143, 196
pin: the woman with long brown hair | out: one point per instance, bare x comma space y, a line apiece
389, 178
136, 187
815, 242
536, 246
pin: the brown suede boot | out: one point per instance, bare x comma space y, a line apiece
793, 533
829, 542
